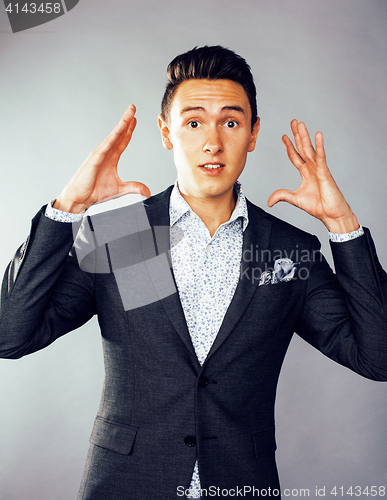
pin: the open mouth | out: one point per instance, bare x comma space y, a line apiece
210, 166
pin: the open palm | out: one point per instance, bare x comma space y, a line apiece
97, 179
318, 194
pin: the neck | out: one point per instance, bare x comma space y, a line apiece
213, 211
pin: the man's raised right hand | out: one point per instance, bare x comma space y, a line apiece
97, 179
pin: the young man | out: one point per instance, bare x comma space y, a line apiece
195, 326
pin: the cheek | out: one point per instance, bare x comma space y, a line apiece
184, 157
184, 148
239, 150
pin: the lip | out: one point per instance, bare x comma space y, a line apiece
212, 163
212, 172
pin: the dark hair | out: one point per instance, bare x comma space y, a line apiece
210, 63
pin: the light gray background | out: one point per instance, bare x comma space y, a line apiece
64, 85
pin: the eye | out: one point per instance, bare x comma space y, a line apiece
231, 123
193, 124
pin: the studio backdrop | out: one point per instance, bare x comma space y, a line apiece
66, 79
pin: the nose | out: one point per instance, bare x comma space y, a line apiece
213, 143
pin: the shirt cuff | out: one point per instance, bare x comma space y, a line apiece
340, 238
55, 214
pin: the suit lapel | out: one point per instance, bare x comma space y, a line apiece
256, 238
158, 216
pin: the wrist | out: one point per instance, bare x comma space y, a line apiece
64, 205
342, 225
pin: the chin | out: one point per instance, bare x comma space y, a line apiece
212, 191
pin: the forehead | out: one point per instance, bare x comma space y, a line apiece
211, 95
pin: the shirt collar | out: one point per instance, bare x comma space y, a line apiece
179, 207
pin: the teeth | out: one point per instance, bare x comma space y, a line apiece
210, 167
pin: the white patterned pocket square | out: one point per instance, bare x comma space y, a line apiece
284, 270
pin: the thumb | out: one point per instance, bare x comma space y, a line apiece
133, 187
282, 195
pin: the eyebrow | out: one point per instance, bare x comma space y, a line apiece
187, 109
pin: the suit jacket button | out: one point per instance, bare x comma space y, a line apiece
203, 382
190, 440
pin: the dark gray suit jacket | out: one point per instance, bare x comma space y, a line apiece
160, 410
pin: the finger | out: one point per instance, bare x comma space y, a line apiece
306, 143
124, 123
282, 195
297, 138
133, 187
130, 110
119, 132
293, 154
127, 137
322, 171
320, 151
294, 127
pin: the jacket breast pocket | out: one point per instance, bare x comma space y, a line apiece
271, 303
264, 442
113, 436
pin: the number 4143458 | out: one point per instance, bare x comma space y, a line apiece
358, 491
33, 8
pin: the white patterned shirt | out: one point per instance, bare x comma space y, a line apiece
206, 272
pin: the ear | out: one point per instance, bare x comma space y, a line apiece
165, 132
254, 133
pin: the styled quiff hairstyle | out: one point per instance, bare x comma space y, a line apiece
209, 63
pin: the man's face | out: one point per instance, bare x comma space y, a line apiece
209, 129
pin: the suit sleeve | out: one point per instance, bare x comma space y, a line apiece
344, 315
44, 292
